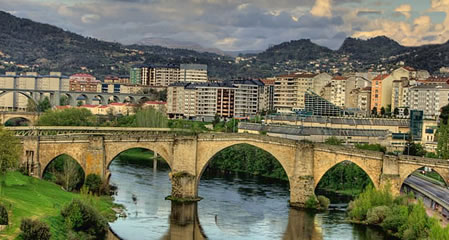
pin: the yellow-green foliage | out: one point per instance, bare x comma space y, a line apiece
395, 215
27, 197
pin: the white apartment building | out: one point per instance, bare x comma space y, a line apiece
193, 73
429, 98
248, 97
338, 91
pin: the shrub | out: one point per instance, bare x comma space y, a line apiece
377, 214
396, 218
324, 202
34, 230
3, 215
311, 202
370, 198
94, 182
81, 217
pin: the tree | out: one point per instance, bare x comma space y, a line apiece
333, 141
382, 111
31, 106
10, 151
43, 105
442, 137
374, 111
444, 115
152, 118
64, 101
68, 117
396, 112
79, 103
414, 149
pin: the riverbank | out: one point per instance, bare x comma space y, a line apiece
28, 197
400, 216
142, 157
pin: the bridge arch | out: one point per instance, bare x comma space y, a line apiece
129, 99
144, 99
408, 169
49, 154
208, 150
77, 173
26, 120
325, 160
113, 150
27, 95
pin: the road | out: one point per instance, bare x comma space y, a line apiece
437, 191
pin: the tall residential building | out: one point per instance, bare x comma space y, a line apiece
193, 73
268, 93
135, 76
381, 91
399, 87
200, 100
83, 82
285, 93
364, 101
429, 98
338, 91
248, 100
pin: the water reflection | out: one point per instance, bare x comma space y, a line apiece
235, 207
184, 223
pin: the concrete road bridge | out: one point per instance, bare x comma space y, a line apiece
104, 98
188, 155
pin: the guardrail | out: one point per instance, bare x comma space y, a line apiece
71, 130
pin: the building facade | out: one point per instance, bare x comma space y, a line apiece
193, 73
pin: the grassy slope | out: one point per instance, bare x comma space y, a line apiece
29, 197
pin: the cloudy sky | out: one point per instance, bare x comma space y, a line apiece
243, 24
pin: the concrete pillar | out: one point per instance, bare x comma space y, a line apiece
302, 182
30, 157
390, 174
94, 159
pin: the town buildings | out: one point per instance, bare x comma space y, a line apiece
83, 82
193, 73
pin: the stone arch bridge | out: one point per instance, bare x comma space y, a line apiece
31, 117
189, 154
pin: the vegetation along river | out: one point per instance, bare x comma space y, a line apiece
235, 206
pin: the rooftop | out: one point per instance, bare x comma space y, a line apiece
381, 77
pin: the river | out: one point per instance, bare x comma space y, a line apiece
234, 206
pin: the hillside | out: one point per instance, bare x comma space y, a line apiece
48, 48
26, 45
371, 50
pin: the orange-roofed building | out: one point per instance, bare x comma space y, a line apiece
83, 82
381, 87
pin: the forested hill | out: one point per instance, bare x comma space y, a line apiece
50, 48
44, 48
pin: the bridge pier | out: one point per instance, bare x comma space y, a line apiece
390, 174
302, 183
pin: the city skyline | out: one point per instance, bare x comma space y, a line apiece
234, 25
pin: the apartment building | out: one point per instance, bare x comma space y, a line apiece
285, 93
154, 75
364, 101
193, 73
381, 91
338, 91
429, 98
249, 98
83, 82
268, 94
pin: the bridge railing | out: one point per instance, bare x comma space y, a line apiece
77, 130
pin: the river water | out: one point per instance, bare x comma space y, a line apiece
234, 207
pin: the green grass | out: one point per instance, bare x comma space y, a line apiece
27, 197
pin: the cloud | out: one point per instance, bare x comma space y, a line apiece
362, 13
322, 8
89, 18
405, 10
